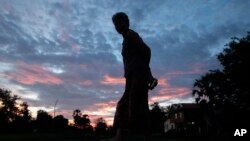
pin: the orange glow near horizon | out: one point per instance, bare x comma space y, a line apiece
109, 80
105, 110
164, 92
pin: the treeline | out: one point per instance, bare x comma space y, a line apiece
225, 93
15, 117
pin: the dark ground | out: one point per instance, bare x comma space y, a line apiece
78, 137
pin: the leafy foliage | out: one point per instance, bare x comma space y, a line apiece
13, 118
225, 93
43, 121
157, 118
9, 110
230, 85
82, 121
101, 126
60, 123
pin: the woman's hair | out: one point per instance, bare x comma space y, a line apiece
122, 16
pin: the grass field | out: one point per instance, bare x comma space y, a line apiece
74, 137
44, 137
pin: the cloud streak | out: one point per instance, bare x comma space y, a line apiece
31, 74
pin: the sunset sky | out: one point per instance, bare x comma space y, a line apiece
68, 50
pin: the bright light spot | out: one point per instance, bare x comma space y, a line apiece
23, 92
31, 96
176, 100
1, 104
55, 69
35, 109
5, 66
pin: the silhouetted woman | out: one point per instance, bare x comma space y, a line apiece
132, 111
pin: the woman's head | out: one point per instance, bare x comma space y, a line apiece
121, 22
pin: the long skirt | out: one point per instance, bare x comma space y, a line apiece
132, 111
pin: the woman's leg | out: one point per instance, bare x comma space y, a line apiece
121, 118
138, 103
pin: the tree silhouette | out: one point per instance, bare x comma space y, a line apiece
60, 123
226, 92
236, 62
157, 118
8, 110
100, 126
14, 117
43, 121
77, 117
9, 107
24, 111
81, 121
77, 113
23, 120
213, 88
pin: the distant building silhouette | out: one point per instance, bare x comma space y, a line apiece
186, 119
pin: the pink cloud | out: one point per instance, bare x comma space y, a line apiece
196, 69
111, 103
163, 82
173, 90
167, 92
30, 74
165, 97
109, 80
105, 110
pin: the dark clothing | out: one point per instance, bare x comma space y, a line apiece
132, 111
136, 54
